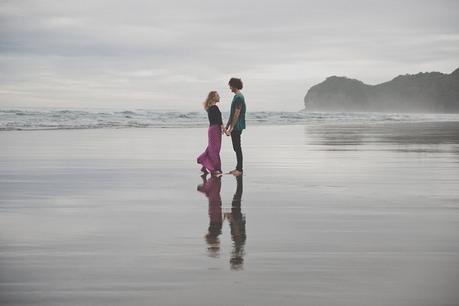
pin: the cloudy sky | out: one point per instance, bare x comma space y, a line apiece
169, 54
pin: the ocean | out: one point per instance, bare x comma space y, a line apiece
47, 119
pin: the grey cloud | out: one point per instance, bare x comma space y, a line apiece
158, 54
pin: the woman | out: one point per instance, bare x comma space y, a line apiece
210, 158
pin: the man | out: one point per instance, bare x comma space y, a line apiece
236, 122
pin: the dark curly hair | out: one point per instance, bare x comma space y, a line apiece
236, 83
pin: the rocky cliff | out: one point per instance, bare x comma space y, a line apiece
432, 92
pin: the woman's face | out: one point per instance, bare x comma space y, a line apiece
217, 97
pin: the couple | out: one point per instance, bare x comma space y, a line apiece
210, 158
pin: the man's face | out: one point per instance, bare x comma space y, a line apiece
233, 89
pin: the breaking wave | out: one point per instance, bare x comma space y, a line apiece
42, 119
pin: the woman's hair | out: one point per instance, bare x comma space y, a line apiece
210, 99
236, 83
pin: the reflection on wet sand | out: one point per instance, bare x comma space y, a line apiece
211, 188
335, 135
396, 133
237, 224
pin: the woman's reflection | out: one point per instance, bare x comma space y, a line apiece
211, 188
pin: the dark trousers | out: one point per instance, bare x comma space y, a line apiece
236, 139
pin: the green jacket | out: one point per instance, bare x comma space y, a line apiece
238, 99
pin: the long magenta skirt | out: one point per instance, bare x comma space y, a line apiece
210, 158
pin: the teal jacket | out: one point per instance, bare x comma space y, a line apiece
238, 99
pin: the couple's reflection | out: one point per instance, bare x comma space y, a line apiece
211, 188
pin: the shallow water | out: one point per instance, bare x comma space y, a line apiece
326, 214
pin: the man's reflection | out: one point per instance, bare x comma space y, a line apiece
211, 188
237, 224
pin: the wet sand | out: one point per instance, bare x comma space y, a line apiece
326, 214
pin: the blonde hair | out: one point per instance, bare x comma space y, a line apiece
210, 99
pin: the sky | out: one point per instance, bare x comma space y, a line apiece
167, 55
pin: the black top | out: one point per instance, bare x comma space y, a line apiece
215, 116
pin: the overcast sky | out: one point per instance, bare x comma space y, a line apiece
170, 54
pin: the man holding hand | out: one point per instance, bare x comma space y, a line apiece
236, 122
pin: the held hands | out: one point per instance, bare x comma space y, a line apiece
225, 130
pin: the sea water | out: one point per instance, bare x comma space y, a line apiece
46, 118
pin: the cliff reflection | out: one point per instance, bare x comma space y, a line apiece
211, 188
396, 133
336, 135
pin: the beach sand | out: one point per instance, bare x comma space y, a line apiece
331, 214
